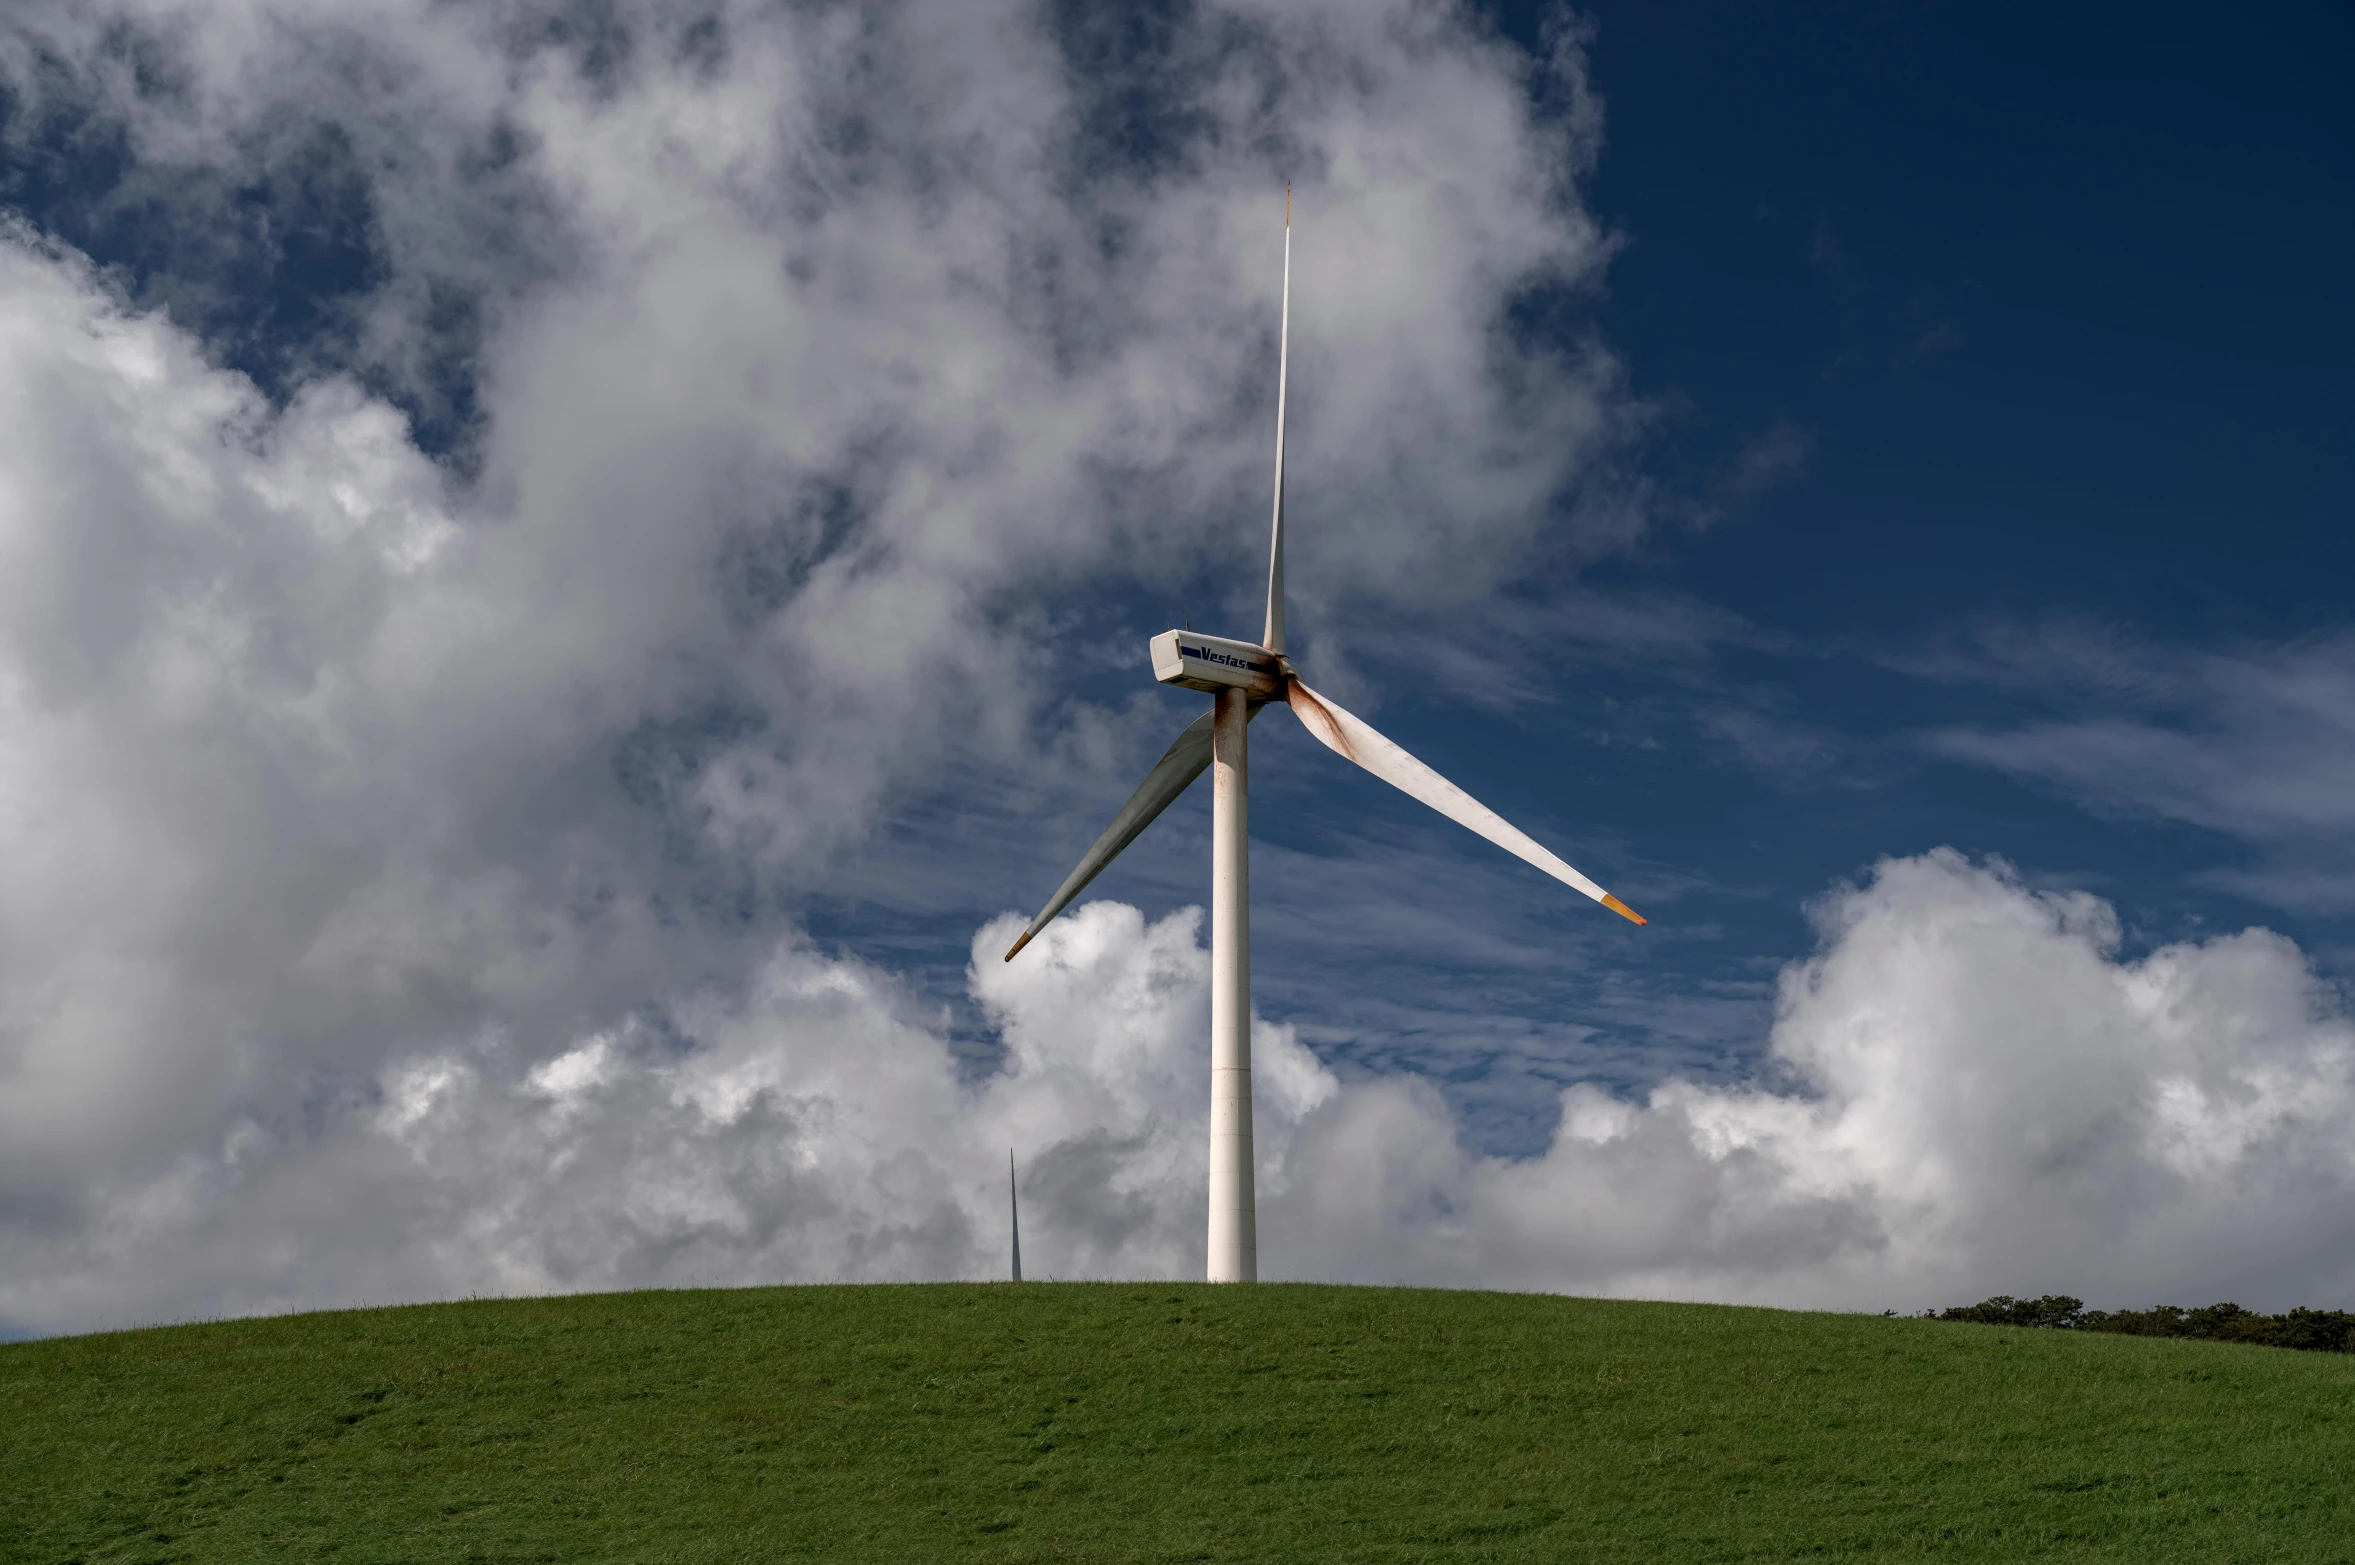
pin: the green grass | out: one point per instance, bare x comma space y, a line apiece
1160, 1422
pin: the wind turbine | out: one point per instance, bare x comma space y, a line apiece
1242, 677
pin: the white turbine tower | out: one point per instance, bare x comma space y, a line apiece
1241, 677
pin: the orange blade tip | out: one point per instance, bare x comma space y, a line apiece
1623, 910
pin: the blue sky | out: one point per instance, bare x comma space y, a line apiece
2057, 299
563, 571
1997, 371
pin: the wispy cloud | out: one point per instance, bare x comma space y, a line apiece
2256, 742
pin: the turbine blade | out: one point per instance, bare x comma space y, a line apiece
1274, 639
1352, 738
1179, 765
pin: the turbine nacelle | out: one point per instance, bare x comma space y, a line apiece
1213, 663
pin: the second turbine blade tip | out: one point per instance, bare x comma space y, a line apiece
1351, 737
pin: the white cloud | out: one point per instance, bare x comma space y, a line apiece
809, 1128
1976, 1092
831, 365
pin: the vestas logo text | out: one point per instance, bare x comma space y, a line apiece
1208, 656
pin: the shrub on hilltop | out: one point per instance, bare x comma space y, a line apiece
2313, 1331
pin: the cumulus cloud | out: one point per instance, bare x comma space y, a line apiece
808, 1127
723, 439
1972, 1089
1976, 1090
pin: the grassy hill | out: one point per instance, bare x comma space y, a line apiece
1159, 1422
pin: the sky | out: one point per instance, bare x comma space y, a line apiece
570, 575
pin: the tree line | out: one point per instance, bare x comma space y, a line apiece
2314, 1331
